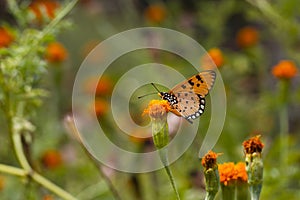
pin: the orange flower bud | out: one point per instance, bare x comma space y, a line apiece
209, 160
247, 37
48, 197
6, 38
155, 13
101, 107
214, 55
157, 108
285, 69
56, 52
43, 9
52, 159
253, 145
104, 86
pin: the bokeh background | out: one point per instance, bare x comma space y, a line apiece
246, 40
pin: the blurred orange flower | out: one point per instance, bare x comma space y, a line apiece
56, 52
103, 86
52, 159
43, 9
6, 38
247, 37
240, 168
101, 107
253, 145
1, 183
140, 136
155, 13
157, 108
215, 55
285, 69
47, 197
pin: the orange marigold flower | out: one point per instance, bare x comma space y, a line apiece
52, 159
101, 107
43, 9
227, 173
155, 13
215, 55
247, 37
285, 69
56, 52
209, 160
241, 171
253, 145
1, 182
6, 38
157, 108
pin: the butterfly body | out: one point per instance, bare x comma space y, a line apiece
187, 99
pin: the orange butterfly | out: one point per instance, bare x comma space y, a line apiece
187, 99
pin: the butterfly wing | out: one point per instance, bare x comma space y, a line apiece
199, 84
190, 95
190, 107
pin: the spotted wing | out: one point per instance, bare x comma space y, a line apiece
190, 106
190, 94
200, 83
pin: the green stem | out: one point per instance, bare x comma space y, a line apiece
255, 191
209, 196
164, 160
16, 11
73, 130
109, 184
20, 155
58, 18
66, 9
12, 170
242, 190
283, 119
212, 182
51, 186
17, 143
228, 191
254, 168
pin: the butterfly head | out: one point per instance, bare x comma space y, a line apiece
171, 98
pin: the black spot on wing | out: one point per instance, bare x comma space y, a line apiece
198, 77
191, 82
199, 112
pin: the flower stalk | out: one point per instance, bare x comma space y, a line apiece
242, 190
283, 118
12, 85
285, 70
211, 174
157, 110
254, 166
228, 191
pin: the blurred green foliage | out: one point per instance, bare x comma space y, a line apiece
252, 93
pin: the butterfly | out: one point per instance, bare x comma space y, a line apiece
187, 99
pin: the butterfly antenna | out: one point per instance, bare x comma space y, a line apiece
146, 95
155, 87
150, 93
